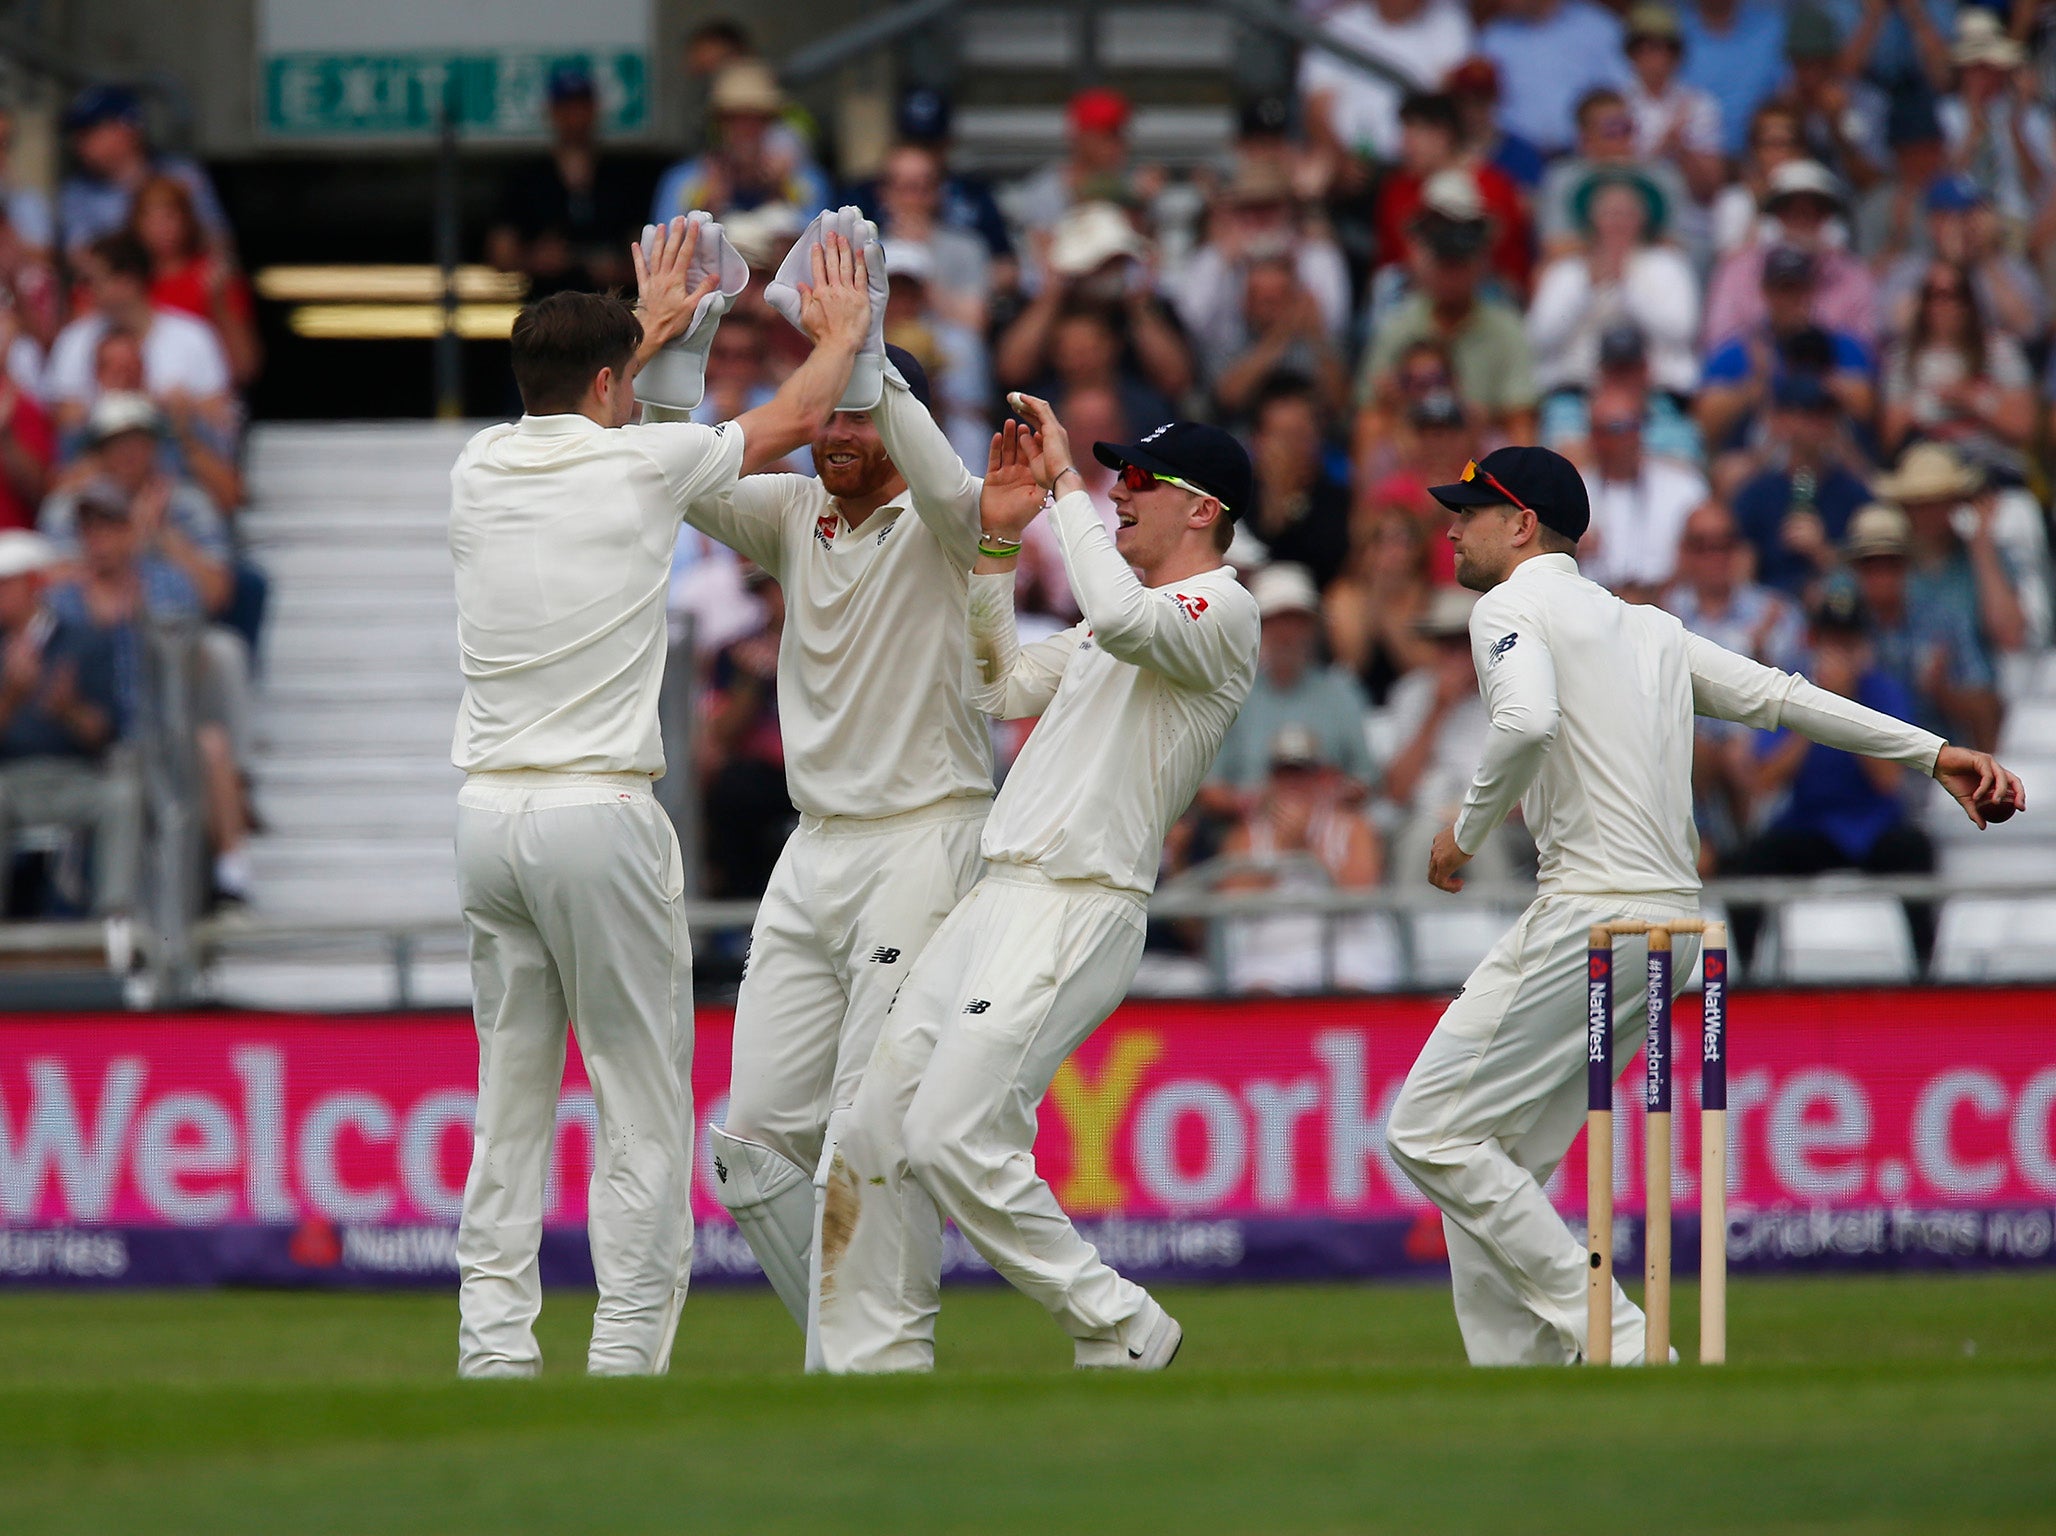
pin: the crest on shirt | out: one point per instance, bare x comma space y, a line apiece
1502, 645
824, 530
1191, 607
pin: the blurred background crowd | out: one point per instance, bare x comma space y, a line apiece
1775, 276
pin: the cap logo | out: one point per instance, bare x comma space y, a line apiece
1150, 437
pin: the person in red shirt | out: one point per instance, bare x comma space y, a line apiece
28, 449
1430, 141
190, 275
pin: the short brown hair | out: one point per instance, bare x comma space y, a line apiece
560, 342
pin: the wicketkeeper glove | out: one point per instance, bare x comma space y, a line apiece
870, 370
676, 378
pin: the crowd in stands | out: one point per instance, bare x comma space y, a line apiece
127, 333
1775, 277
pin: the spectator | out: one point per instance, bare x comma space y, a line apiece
966, 203
742, 755
1713, 598
1674, 122
180, 355
25, 208
105, 126
568, 217
1639, 503
911, 210
1381, 442
1935, 653
1735, 217
1431, 142
1095, 321
1998, 132
1096, 167
1955, 380
710, 49
1293, 687
1286, 337
190, 277
1963, 228
1733, 50
1474, 86
1901, 44
953, 354
1805, 203
1300, 837
1606, 148
1429, 738
65, 759
1301, 512
126, 578
1373, 607
1887, 223
750, 162
1795, 512
1488, 345
1357, 114
28, 449
1841, 116
1616, 276
1549, 54
1782, 344
1668, 431
1839, 811
1257, 220
1961, 579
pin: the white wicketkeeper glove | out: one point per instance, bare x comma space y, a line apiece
869, 371
676, 378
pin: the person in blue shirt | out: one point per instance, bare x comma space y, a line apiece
967, 202
1550, 53
1795, 512
1741, 373
1735, 50
1839, 811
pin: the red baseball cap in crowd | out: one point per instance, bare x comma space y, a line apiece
1099, 111
1475, 76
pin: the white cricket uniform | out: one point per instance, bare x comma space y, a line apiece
572, 885
890, 765
1134, 703
1592, 703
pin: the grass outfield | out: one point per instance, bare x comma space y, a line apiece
1895, 1404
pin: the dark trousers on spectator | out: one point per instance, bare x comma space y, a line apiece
104, 798
1905, 850
748, 820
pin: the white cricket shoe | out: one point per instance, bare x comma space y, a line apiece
1149, 1341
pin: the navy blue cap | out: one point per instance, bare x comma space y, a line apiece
1544, 482
98, 104
1911, 119
1801, 392
1955, 194
1190, 451
570, 80
910, 369
924, 115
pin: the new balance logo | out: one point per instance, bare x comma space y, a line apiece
1502, 645
885, 530
977, 1005
720, 1170
883, 956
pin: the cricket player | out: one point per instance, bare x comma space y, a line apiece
1134, 702
561, 527
1592, 703
890, 765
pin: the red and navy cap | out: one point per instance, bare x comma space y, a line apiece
1533, 479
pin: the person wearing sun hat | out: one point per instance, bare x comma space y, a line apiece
2002, 136
1591, 703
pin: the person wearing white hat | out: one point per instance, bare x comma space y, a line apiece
65, 716
1997, 130
750, 162
1807, 208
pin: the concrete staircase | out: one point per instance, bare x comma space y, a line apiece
359, 695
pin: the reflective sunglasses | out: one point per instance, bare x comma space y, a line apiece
1471, 471
1137, 480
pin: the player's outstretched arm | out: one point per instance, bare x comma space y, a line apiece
836, 309
1731, 687
945, 493
1014, 684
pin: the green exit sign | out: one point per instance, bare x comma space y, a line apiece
402, 95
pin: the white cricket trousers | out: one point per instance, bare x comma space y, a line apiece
1492, 1105
1017, 977
572, 887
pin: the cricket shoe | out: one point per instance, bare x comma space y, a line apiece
1149, 1342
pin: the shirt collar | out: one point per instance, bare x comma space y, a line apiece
567, 424
1541, 563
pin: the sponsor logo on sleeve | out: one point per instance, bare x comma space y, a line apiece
1502, 645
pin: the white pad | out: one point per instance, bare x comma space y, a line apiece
772, 1201
676, 378
867, 373
830, 1141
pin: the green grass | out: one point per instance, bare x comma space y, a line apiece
1897, 1404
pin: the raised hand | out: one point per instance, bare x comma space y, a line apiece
1012, 497
835, 308
1052, 455
665, 295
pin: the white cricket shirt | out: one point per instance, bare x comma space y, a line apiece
562, 532
1134, 703
874, 674
1592, 702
